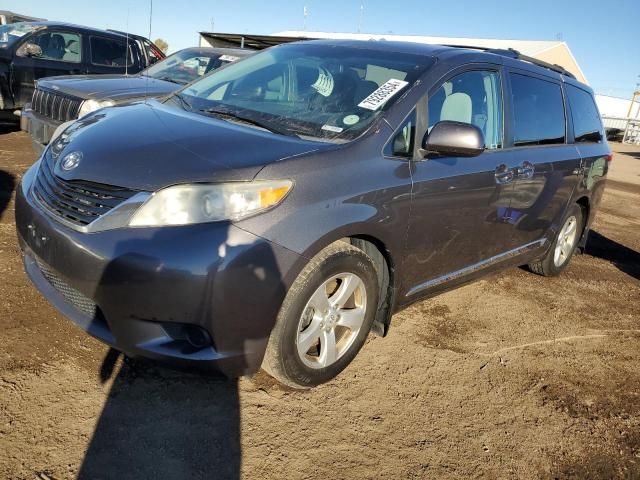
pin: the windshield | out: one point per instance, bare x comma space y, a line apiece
321, 91
12, 32
187, 65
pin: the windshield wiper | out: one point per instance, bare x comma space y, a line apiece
172, 80
184, 102
228, 115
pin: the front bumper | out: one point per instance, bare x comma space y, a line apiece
40, 128
142, 283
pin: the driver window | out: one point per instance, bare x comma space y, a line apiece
61, 46
472, 97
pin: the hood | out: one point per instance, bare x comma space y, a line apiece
113, 87
147, 146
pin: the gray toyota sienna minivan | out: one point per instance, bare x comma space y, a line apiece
277, 211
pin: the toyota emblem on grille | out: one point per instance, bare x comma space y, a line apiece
71, 161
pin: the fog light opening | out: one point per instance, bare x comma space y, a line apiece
198, 337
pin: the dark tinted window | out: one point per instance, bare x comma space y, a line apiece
538, 111
401, 145
109, 52
587, 126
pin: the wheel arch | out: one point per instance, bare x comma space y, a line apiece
584, 202
385, 267
382, 248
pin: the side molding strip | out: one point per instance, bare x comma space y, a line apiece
477, 266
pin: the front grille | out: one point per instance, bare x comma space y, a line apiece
75, 201
80, 302
56, 106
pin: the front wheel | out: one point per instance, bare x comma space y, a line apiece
564, 245
325, 317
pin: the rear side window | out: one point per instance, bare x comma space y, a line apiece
153, 53
587, 126
109, 52
538, 111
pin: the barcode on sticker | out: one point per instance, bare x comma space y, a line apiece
228, 58
383, 94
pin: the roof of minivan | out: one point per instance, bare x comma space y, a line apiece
548, 52
432, 50
382, 45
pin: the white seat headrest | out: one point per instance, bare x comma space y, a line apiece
457, 107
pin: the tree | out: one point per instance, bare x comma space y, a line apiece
161, 44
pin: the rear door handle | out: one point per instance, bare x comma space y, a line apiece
503, 174
525, 171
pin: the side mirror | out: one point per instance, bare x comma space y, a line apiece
29, 50
454, 139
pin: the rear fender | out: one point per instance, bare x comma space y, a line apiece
6, 99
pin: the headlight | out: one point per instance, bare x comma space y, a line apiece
91, 105
200, 203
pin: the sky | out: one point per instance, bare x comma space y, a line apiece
603, 36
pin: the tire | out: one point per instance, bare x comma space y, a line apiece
304, 315
553, 263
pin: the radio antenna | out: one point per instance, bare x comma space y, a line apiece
128, 50
305, 13
146, 83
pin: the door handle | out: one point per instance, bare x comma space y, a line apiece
503, 174
525, 171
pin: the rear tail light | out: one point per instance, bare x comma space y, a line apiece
610, 157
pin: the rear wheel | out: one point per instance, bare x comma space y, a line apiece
325, 317
564, 245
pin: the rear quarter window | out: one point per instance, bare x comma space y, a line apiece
538, 111
587, 125
110, 52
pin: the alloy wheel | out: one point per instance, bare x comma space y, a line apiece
331, 320
566, 241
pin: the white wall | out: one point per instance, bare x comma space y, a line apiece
616, 107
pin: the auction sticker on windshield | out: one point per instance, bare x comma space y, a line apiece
332, 128
382, 95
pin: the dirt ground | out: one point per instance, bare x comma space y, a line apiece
515, 376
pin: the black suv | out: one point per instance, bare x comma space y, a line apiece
60, 100
276, 211
32, 50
